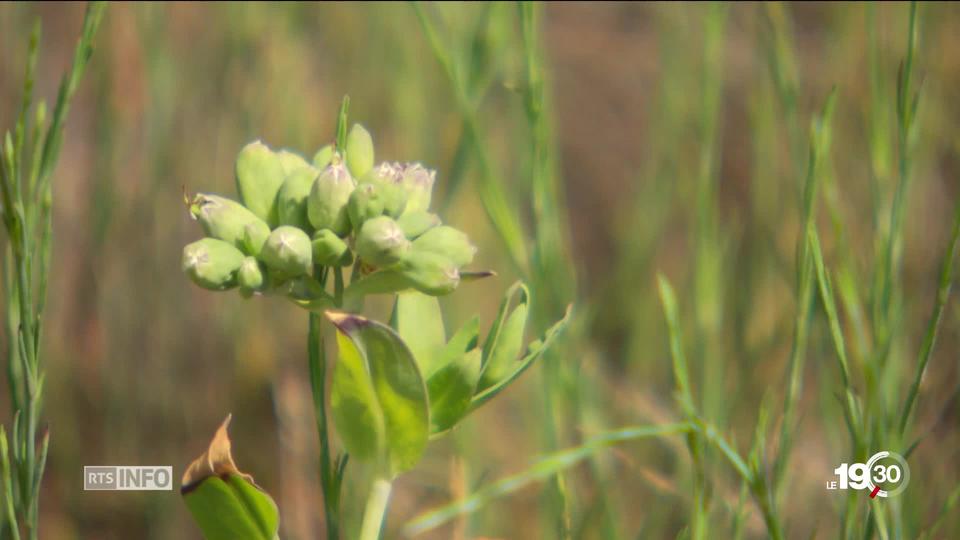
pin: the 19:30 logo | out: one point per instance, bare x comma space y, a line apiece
885, 474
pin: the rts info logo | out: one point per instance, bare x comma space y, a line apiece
885, 474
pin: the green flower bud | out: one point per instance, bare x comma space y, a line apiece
288, 251
387, 178
359, 151
366, 202
212, 263
381, 242
259, 176
292, 198
230, 221
251, 276
449, 242
330, 250
327, 204
413, 224
291, 161
418, 182
322, 158
429, 273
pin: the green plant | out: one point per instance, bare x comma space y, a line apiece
27, 162
393, 387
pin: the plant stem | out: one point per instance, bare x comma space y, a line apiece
376, 509
329, 477
930, 338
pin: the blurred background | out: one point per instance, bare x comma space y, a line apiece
142, 365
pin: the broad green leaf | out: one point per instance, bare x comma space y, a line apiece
419, 321
379, 399
354, 406
225, 502
534, 351
505, 339
451, 389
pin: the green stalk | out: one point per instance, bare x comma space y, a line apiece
891, 254
329, 477
819, 147
703, 433
376, 509
26, 195
685, 400
551, 279
930, 338
496, 204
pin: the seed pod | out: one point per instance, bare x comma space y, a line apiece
413, 224
330, 250
212, 263
288, 251
259, 176
327, 204
291, 161
251, 277
449, 242
230, 221
292, 198
366, 202
359, 151
429, 273
418, 182
381, 242
322, 158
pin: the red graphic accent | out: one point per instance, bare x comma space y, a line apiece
873, 493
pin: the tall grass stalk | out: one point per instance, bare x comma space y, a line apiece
930, 337
497, 205
753, 476
548, 266
27, 161
819, 147
552, 276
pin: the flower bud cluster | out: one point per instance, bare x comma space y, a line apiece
295, 219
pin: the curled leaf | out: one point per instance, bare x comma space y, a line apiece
505, 340
225, 502
534, 351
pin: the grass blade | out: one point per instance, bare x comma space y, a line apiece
543, 469
930, 338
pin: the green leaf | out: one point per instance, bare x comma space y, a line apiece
379, 399
534, 351
379, 282
451, 389
505, 339
354, 405
464, 340
225, 502
226, 510
419, 322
